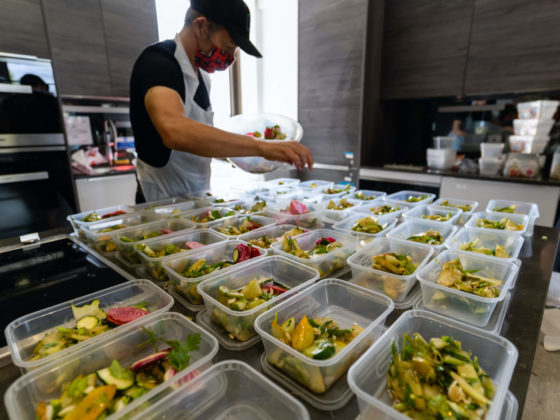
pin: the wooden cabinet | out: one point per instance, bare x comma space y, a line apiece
331, 56
75, 30
129, 28
515, 47
23, 31
425, 47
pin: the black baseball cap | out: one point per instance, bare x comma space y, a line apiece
234, 15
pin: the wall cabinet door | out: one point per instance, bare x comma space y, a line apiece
23, 31
425, 47
75, 30
130, 26
331, 56
515, 47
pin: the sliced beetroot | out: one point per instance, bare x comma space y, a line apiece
169, 373
255, 252
149, 360
241, 253
185, 379
193, 245
325, 241
297, 207
125, 314
166, 231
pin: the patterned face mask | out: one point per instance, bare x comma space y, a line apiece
217, 60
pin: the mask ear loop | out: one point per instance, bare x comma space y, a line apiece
211, 50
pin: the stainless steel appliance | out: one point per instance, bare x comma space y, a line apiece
36, 190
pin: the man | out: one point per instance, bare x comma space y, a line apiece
170, 107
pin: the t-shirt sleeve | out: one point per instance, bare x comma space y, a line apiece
155, 69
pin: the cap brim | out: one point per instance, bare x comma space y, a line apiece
245, 44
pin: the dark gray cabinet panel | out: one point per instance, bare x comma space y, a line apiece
515, 47
23, 31
75, 31
331, 56
129, 27
425, 47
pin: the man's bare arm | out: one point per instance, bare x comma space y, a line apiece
167, 112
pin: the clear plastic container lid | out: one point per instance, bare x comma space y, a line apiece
24, 333
367, 195
228, 390
368, 376
290, 274
263, 221
404, 197
151, 205
394, 286
76, 220
376, 208
127, 346
387, 221
423, 212
511, 242
199, 214
154, 266
272, 232
345, 303
327, 263
280, 212
467, 307
415, 227
212, 254
314, 185
519, 219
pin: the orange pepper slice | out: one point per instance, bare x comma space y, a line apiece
94, 404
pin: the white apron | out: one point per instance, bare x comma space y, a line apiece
184, 174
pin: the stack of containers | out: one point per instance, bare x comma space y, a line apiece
492, 159
533, 126
443, 155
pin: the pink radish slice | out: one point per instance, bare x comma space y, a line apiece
193, 245
125, 314
166, 231
185, 379
148, 360
327, 238
297, 207
169, 373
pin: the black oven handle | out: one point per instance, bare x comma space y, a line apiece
23, 177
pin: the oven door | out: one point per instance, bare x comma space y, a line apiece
36, 191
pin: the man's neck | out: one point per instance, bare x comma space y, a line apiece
189, 44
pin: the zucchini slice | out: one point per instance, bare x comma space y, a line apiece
88, 322
121, 383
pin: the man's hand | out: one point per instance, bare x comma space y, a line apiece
286, 151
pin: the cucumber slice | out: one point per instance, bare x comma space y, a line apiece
88, 322
121, 383
92, 309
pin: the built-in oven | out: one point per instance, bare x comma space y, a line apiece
36, 191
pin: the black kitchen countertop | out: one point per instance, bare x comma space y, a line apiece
521, 325
540, 180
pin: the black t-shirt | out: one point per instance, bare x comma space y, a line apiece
157, 66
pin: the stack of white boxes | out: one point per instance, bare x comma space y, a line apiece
533, 126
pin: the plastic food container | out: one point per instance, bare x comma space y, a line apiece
174, 209
271, 232
333, 216
369, 195
325, 263
346, 304
76, 219
127, 346
414, 227
532, 127
418, 212
542, 110
311, 220
444, 142
127, 249
521, 207
458, 201
528, 144
239, 324
401, 197
281, 182
244, 208
368, 376
159, 203
228, 202
491, 150
236, 221
228, 390
308, 197
25, 332
366, 208
314, 185
285, 192
225, 212
341, 194
346, 225
490, 166
522, 165
488, 239
493, 216
440, 158
511, 406
176, 264
101, 241
467, 307
392, 285
154, 267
